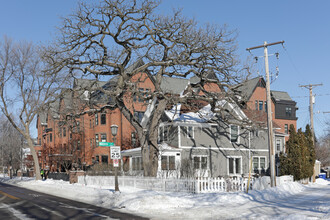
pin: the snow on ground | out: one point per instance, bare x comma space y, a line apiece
288, 201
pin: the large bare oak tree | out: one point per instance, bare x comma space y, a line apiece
104, 38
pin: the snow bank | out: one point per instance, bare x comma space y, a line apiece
173, 205
264, 182
278, 192
321, 181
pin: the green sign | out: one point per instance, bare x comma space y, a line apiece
106, 144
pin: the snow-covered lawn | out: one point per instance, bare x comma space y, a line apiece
289, 201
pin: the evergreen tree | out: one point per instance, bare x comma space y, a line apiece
311, 151
300, 156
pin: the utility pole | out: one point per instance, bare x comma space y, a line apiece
269, 112
311, 102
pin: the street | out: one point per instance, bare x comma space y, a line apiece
20, 203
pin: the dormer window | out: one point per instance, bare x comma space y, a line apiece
288, 111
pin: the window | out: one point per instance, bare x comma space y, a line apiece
286, 130
256, 105
90, 123
164, 133
97, 140
168, 162
96, 119
104, 159
103, 119
146, 93
138, 116
190, 132
200, 162
288, 111
141, 91
50, 137
91, 142
133, 139
97, 159
260, 105
234, 165
64, 132
78, 145
278, 145
103, 137
164, 162
233, 133
265, 106
137, 163
259, 164
166, 128
161, 134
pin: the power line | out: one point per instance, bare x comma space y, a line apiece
291, 60
308, 96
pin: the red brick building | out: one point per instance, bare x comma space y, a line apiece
253, 94
70, 131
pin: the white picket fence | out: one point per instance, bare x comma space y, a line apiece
205, 185
198, 185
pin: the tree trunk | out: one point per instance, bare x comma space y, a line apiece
150, 150
35, 159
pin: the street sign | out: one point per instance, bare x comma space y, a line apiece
115, 152
115, 163
106, 144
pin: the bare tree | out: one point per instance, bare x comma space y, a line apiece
11, 143
322, 150
26, 86
105, 38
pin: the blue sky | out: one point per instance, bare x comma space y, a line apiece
303, 25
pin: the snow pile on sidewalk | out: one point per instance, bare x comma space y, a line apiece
168, 205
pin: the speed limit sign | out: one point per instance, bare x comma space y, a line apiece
115, 152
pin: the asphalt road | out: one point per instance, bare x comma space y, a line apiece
21, 203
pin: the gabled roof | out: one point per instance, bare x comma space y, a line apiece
111, 84
134, 66
210, 76
85, 84
42, 117
248, 87
280, 96
174, 85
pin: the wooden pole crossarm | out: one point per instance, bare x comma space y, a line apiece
265, 45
